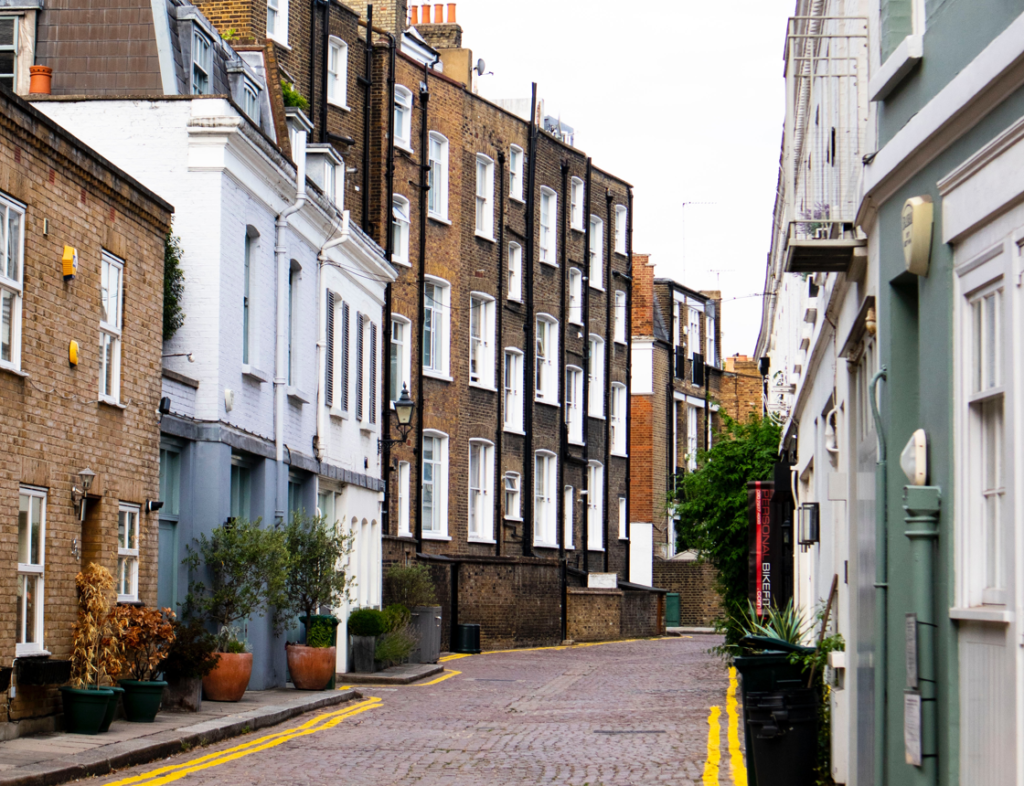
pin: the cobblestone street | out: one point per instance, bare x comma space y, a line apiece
617, 713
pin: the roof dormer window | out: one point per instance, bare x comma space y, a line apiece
202, 63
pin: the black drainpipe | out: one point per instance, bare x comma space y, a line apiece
421, 404
499, 356
530, 359
312, 59
366, 80
629, 377
609, 339
325, 7
564, 432
585, 545
388, 252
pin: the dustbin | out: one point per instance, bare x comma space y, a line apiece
467, 639
784, 735
673, 614
767, 672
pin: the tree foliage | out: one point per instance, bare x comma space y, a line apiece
174, 286
315, 575
711, 505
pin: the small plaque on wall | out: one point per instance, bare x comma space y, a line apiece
912, 726
911, 632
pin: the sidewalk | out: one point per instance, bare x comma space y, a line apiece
48, 759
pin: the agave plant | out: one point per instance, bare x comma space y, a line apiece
787, 624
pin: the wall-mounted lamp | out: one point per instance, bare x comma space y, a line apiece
165, 405
78, 495
809, 523
189, 355
404, 408
914, 459
153, 505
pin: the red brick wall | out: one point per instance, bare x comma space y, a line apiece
699, 602
594, 614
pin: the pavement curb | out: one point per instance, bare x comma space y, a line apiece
382, 678
106, 759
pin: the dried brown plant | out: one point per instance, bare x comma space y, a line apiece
94, 650
145, 636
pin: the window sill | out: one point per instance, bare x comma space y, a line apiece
516, 519
16, 372
279, 42
981, 614
480, 236
907, 55
403, 146
481, 540
619, 455
437, 219
595, 287
581, 230
623, 540
620, 253
338, 413
577, 442
488, 388
538, 545
254, 374
31, 653
596, 548
546, 402
431, 374
518, 431
435, 536
402, 262
595, 417
336, 105
109, 402
297, 396
518, 199
621, 342
518, 300
549, 264
128, 600
574, 322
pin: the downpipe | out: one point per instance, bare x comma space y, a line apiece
281, 353
881, 582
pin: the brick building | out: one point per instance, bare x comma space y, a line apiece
79, 389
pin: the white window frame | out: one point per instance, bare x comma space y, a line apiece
480, 527
400, 230
619, 329
515, 173
568, 516
342, 358
128, 557
709, 328
12, 277
985, 545
110, 330
575, 296
481, 345
623, 531
437, 196
617, 404
202, 59
280, 33
577, 195
337, 72
13, 49
512, 384
440, 321
548, 245
484, 216
596, 372
513, 489
251, 100
404, 355
692, 436
545, 508
620, 229
438, 526
595, 254
546, 376
515, 272
33, 571
693, 343
595, 505
403, 118
404, 524
574, 404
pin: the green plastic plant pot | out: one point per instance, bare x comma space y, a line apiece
85, 710
142, 699
111, 708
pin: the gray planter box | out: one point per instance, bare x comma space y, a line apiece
426, 624
183, 695
362, 649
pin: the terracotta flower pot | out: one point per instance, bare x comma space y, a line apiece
229, 678
311, 667
40, 79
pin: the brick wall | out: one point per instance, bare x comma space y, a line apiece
699, 602
640, 614
741, 387
52, 424
594, 614
516, 604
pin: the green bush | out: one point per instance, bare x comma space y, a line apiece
367, 622
396, 616
235, 647
395, 646
174, 286
318, 633
293, 97
410, 585
193, 653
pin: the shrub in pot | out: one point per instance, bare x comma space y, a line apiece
145, 635
315, 581
89, 701
246, 568
364, 626
191, 656
399, 640
413, 587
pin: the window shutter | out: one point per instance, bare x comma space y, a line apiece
344, 356
373, 372
680, 363
698, 370
329, 365
359, 366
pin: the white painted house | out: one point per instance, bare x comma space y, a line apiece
274, 380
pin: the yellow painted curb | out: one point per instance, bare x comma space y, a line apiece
736, 763
710, 777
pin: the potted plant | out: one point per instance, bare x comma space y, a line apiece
191, 657
315, 581
412, 587
246, 568
144, 636
89, 706
364, 626
398, 641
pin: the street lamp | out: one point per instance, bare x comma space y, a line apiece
85, 477
404, 409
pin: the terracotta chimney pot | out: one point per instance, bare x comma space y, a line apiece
451, 13
426, 14
415, 15
438, 13
41, 79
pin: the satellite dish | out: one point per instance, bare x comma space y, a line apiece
481, 66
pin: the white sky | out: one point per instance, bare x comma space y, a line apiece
683, 99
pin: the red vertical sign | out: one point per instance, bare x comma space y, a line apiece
762, 547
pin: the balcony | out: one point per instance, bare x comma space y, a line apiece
826, 115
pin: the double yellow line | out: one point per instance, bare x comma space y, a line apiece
320, 723
736, 765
